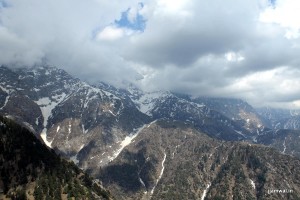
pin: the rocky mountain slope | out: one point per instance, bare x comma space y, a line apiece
76, 119
60, 105
89, 124
129, 134
281, 118
206, 114
286, 141
237, 110
172, 160
29, 170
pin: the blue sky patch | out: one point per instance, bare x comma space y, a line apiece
273, 2
138, 24
3, 4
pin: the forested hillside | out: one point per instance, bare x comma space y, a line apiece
29, 170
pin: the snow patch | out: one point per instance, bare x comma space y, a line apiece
151, 123
284, 146
112, 113
254, 139
7, 91
36, 89
5, 102
173, 154
205, 191
69, 127
69, 130
4, 89
83, 129
147, 101
74, 159
2, 124
161, 172
252, 183
47, 105
81, 147
240, 133
163, 167
57, 129
127, 141
200, 105
44, 137
142, 182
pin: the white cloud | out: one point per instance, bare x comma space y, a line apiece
138, 9
111, 33
217, 48
272, 87
286, 14
174, 7
63, 34
17, 51
234, 57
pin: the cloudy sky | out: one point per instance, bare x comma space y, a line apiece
248, 49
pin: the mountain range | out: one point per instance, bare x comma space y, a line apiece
158, 144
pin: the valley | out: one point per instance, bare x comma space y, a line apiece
160, 144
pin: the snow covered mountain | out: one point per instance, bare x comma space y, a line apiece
168, 105
82, 122
137, 137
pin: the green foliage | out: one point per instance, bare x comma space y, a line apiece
25, 156
38, 193
19, 194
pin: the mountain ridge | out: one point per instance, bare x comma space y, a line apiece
172, 160
98, 126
